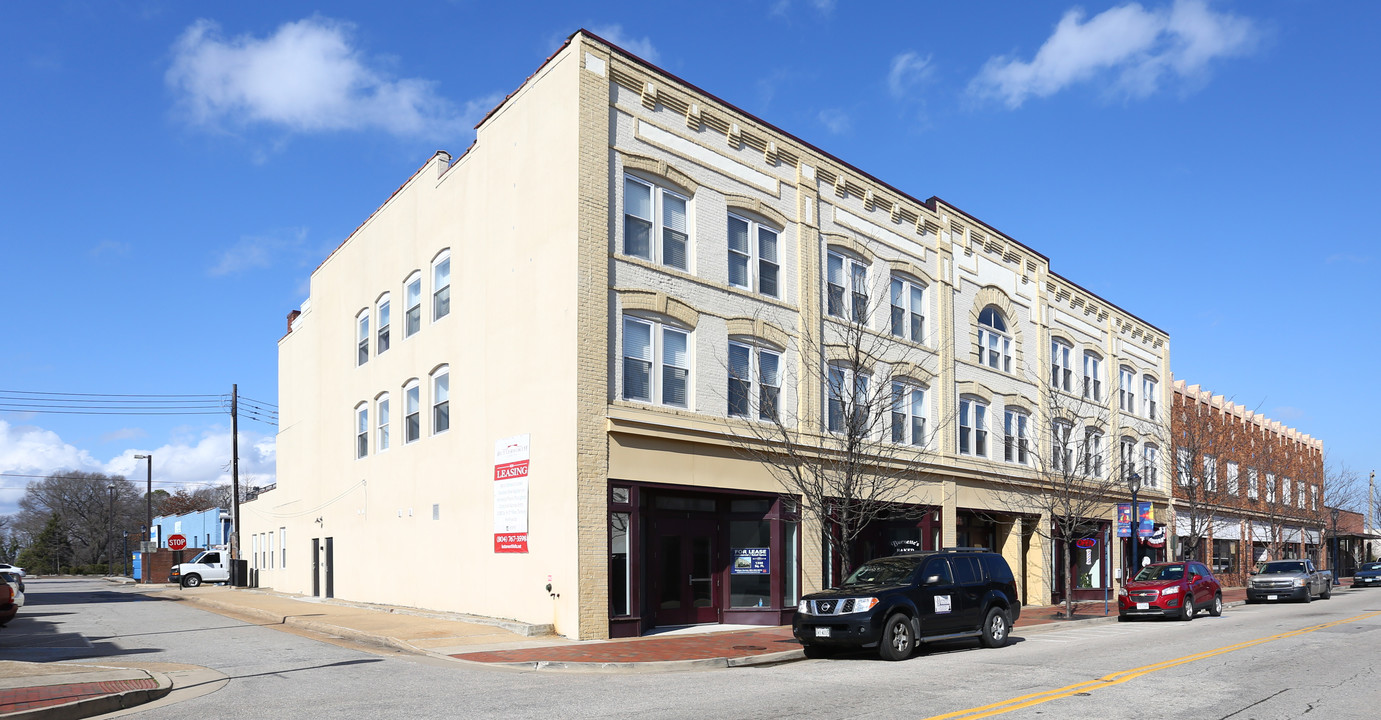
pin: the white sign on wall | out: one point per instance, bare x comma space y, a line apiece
511, 457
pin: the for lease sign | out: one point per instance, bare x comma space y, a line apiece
511, 457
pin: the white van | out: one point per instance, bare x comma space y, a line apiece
209, 566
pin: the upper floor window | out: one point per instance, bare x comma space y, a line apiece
908, 310
753, 261
1061, 451
1148, 396
1061, 371
361, 430
848, 408
994, 344
1285, 491
1093, 452
655, 223
441, 400
1127, 390
1126, 457
1210, 473
1252, 492
1231, 477
1150, 466
753, 368
1270, 488
908, 414
847, 288
441, 286
412, 411
1182, 467
1313, 497
383, 324
656, 362
973, 427
1301, 496
381, 434
362, 337
1093, 377
412, 296
1014, 444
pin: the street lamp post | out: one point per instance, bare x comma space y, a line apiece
1134, 483
1334, 512
110, 531
148, 507
125, 564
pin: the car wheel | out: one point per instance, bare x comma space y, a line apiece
1216, 608
897, 638
1327, 594
816, 652
1187, 613
995, 629
191, 581
1308, 595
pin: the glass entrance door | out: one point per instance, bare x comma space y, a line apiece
686, 572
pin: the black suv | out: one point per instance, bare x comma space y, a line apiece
899, 601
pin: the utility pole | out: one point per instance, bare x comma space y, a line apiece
235, 471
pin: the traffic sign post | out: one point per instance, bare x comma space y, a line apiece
177, 542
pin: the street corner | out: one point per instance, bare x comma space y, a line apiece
62, 691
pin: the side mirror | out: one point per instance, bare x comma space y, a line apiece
1196, 577
932, 580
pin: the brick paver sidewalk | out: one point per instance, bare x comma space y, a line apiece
33, 698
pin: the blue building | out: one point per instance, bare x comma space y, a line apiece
203, 529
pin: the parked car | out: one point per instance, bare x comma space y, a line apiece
1367, 574
11, 596
207, 566
894, 603
1289, 580
18, 572
1172, 590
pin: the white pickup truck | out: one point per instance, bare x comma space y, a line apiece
208, 566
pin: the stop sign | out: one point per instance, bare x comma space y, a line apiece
177, 542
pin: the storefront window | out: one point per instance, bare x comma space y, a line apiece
790, 531
618, 563
1224, 556
750, 563
1088, 565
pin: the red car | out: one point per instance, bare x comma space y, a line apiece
1178, 590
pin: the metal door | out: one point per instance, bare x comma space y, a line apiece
316, 567
330, 577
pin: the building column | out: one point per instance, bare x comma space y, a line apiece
1009, 541
949, 534
1038, 563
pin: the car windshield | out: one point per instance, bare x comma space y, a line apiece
886, 571
1372, 566
1161, 572
1293, 566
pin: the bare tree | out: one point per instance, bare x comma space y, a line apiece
92, 509
1343, 491
1204, 444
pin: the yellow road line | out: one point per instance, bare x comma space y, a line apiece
1118, 678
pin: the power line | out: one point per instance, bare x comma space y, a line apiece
37, 392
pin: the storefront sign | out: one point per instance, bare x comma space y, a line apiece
1124, 520
1086, 543
511, 457
751, 561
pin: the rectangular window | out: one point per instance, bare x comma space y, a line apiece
745, 256
845, 407
412, 295
648, 345
620, 571
1148, 397
1182, 467
441, 403
1150, 466
363, 339
362, 433
1061, 453
383, 327
973, 428
1127, 394
441, 297
412, 420
637, 218
268, 537
646, 207
1126, 458
1225, 554
1093, 453
675, 367
1270, 488
382, 440
637, 360
1060, 369
1252, 493
908, 310
835, 412
1285, 491
1210, 474
847, 288
749, 366
1232, 484
1314, 497
1014, 437
283, 547
1093, 377
908, 414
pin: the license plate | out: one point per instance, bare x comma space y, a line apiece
1272, 597
822, 632
1143, 606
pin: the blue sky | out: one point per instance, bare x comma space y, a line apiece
172, 172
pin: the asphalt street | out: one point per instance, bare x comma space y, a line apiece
1272, 661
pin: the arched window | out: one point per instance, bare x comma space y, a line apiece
994, 344
362, 337
908, 309
1093, 376
381, 312
1061, 369
1150, 466
908, 413
1126, 380
361, 430
412, 296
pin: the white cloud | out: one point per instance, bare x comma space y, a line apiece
1133, 49
835, 120
260, 251
642, 47
908, 69
306, 77
783, 7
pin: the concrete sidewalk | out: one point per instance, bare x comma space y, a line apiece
56, 691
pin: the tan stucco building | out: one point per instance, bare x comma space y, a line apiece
517, 389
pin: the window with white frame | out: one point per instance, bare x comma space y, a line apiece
908, 413
441, 285
1014, 437
1093, 377
1270, 488
1313, 497
1149, 393
1061, 451
1231, 473
412, 296
441, 400
656, 362
283, 546
846, 288
849, 405
1093, 452
268, 537
1210, 473
1150, 466
1126, 458
1285, 496
1127, 392
994, 344
361, 430
381, 431
1182, 467
973, 427
655, 223
753, 256
1301, 495
362, 337
754, 378
382, 313
908, 309
1252, 492
1061, 371
412, 411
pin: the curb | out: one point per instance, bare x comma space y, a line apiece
655, 666
100, 705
